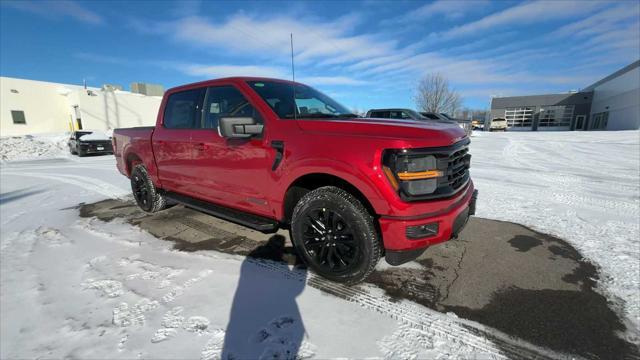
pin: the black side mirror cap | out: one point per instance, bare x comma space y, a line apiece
239, 127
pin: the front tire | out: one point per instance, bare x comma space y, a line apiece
146, 194
335, 235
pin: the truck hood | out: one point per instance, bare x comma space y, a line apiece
437, 133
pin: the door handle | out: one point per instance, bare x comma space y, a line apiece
201, 146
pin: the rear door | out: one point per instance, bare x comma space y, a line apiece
230, 172
172, 139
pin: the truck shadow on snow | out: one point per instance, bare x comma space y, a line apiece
523, 283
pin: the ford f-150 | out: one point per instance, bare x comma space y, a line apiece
272, 154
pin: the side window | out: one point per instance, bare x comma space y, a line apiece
404, 115
226, 101
183, 109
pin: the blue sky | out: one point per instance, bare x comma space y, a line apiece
365, 54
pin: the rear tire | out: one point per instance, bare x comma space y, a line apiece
146, 194
335, 235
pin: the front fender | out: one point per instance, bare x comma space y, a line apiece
365, 180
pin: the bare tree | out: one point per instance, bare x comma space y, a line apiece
434, 95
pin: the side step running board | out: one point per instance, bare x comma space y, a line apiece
256, 222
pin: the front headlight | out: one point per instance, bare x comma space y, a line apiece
413, 175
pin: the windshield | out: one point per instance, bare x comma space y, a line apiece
310, 103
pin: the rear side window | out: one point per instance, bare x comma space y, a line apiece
397, 115
183, 109
226, 101
431, 116
380, 114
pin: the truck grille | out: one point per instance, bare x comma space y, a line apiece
458, 168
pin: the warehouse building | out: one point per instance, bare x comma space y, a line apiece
612, 103
32, 107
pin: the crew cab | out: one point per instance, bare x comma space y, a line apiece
270, 154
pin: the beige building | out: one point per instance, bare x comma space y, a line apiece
31, 107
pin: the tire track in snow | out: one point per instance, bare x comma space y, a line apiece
420, 318
85, 182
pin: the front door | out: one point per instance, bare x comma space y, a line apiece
580, 122
230, 172
172, 139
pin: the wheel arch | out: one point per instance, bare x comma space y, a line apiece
132, 159
308, 182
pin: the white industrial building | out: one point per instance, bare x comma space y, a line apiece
616, 99
612, 103
32, 107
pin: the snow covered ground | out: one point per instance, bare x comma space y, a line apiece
73, 287
583, 187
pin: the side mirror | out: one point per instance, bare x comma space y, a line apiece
239, 127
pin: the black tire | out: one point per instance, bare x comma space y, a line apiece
147, 196
81, 153
335, 235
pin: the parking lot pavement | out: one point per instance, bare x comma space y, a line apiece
525, 284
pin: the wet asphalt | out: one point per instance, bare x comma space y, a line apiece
526, 284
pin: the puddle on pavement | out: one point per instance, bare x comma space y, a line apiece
526, 284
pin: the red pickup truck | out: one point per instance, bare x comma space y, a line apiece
272, 154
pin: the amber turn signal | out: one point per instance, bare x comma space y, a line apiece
392, 179
429, 174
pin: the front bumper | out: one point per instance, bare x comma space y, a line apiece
400, 249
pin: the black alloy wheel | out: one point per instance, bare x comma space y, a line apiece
329, 240
144, 192
334, 234
140, 192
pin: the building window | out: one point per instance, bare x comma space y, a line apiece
519, 116
18, 117
550, 116
599, 121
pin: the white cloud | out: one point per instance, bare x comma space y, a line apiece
57, 9
449, 9
526, 13
600, 22
331, 80
218, 71
332, 42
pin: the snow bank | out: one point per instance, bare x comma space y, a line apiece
29, 147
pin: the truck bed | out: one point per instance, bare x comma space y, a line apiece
133, 140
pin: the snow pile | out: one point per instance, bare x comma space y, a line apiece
30, 147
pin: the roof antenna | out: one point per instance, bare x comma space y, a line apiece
293, 75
